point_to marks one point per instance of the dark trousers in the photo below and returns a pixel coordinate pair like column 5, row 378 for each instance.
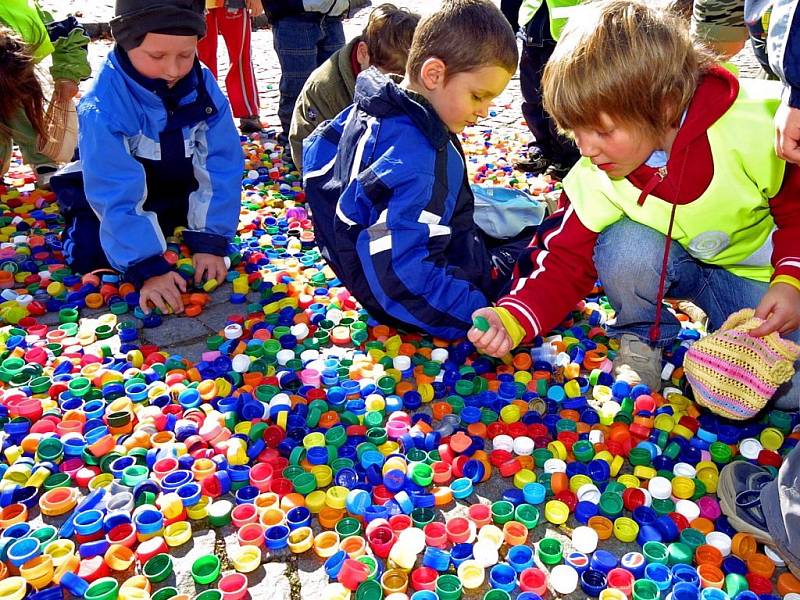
column 80, row 240
column 302, row 43
column 538, row 45
column 510, row 10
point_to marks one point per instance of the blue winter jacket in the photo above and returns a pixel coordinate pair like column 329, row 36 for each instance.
column 783, row 47
column 393, row 211
column 147, row 150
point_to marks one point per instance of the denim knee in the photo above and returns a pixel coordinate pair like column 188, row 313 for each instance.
column 628, row 259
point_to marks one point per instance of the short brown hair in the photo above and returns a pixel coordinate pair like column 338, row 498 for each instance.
column 634, row 62
column 465, row 35
column 388, row 36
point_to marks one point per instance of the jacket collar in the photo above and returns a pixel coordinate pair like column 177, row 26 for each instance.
column 380, row 95
column 186, row 103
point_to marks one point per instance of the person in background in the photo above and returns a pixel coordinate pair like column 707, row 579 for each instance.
column 67, row 42
column 305, row 33
column 550, row 152
column 231, row 20
column 383, row 44
column 510, row 10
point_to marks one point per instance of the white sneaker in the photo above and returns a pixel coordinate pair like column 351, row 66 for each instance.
column 638, row 362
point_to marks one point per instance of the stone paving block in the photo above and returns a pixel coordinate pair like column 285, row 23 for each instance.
column 175, row 331
column 313, row 578
column 214, row 316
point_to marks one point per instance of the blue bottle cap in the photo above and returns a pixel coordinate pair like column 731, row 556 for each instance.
column 520, row 557
column 734, row 564
column 603, row 560
column 659, row 574
column 667, row 528
column 584, row 511
column 686, row 574
column 593, row 582
column 648, row 533
column 685, row 591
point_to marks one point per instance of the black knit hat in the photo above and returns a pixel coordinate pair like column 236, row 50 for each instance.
column 134, row 19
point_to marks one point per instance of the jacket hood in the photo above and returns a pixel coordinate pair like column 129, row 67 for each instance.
column 380, row 95
column 689, row 169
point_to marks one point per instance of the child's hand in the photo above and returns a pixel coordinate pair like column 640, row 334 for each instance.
column 780, row 309
column 495, row 341
column 208, row 266
column 164, row 291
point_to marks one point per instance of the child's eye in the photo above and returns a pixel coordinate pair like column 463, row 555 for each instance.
column 476, row 98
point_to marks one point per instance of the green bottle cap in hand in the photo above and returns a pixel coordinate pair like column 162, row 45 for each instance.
column 480, row 323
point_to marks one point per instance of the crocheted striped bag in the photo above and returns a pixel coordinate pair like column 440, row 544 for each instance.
column 734, row 374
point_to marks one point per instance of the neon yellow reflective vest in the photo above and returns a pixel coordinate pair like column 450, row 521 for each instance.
column 730, row 224
column 558, row 9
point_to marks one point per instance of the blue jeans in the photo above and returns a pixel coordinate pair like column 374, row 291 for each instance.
column 302, row 43
column 628, row 260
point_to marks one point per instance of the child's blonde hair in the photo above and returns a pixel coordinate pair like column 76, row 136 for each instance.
column 465, row 35
column 634, row 62
column 388, row 36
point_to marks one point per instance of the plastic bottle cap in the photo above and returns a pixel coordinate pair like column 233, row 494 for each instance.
column 564, row 579
column 584, row 539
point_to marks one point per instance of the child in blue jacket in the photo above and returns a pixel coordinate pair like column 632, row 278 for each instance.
column 387, row 183
column 159, row 150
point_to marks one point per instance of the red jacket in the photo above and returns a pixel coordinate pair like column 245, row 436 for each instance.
column 557, row 270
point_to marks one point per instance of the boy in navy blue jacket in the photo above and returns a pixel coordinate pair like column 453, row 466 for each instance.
column 159, row 150
column 387, row 182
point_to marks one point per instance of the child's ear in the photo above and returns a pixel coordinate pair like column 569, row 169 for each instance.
column 433, row 72
column 362, row 55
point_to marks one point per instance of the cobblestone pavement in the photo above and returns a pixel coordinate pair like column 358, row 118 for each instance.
column 287, row 577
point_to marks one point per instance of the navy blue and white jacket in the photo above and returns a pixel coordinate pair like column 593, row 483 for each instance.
column 783, row 47
column 393, row 212
column 152, row 154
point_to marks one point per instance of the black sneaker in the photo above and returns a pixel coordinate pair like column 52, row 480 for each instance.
column 557, row 171
column 250, row 124
column 534, row 161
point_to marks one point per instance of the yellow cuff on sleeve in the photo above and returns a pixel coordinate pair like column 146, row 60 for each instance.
column 792, row 281
column 513, row 328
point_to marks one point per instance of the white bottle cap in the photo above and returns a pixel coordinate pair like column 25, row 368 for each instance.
column 485, row 553
column 750, row 448
column 555, row 465
column 589, row 492
column 503, row 442
column 413, row 538
column 683, row 469
column 660, row 488
column 584, row 539
column 439, row 355
column 775, row 557
column 402, row 362
column 240, row 363
column 564, row 579
column 688, row 509
column 523, row 446
column 720, row 541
